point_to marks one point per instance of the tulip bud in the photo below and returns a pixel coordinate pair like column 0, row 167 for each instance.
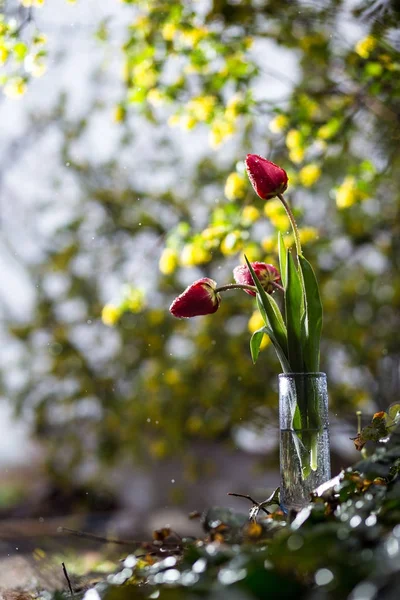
column 265, row 273
column 267, row 179
column 200, row 298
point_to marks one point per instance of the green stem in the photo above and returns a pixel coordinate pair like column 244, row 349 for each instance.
column 236, row 286
column 293, row 224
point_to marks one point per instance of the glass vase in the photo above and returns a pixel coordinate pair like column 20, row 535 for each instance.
column 304, row 443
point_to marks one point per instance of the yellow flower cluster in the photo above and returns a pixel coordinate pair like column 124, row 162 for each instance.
column 251, row 251
column 169, row 261
column 194, row 254
column 307, row 234
column 279, row 123
column 232, row 243
column 365, row 46
column 155, row 97
column 4, row 52
column 133, row 300
column 110, row 314
column 235, row 187
column 274, row 210
column 144, row 74
column 221, row 129
column 347, row 193
column 201, row 108
column 254, row 324
column 234, row 107
column 168, row 31
column 15, row 87
column 309, row 175
column 119, row 113
column 295, row 144
column 250, row 214
column 29, row 3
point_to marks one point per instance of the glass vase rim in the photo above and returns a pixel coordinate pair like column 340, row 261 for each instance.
column 303, row 374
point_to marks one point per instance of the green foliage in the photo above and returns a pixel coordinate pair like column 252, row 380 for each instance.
column 335, row 118
column 353, row 522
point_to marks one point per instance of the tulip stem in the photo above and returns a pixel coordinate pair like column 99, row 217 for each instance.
column 277, row 286
column 293, row 224
column 244, row 286
column 236, row 286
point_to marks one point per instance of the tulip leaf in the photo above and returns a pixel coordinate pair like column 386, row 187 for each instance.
column 282, row 258
column 294, row 304
column 313, row 316
column 255, row 343
column 274, row 321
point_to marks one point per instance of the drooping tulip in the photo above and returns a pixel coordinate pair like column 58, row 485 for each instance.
column 265, row 273
column 198, row 299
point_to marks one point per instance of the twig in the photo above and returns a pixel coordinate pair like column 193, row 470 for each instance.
column 68, row 579
column 98, row 538
column 258, row 504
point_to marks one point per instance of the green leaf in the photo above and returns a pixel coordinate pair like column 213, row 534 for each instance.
column 280, row 353
column 269, row 313
column 282, row 258
column 255, row 343
column 294, row 304
column 313, row 316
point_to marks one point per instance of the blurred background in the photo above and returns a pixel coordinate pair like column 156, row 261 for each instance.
column 124, row 130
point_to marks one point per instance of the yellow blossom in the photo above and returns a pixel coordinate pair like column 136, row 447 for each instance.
column 255, row 323
column 187, row 122
column 269, row 244
column 15, row 87
column 365, row 46
column 307, row 234
column 110, row 314
column 119, row 113
column 347, row 193
column 279, row 123
column 155, row 97
column 3, row 54
column 193, row 36
column 234, row 107
column 294, row 139
column 296, row 155
column 211, row 233
column 168, row 261
column 168, row 31
column 174, row 120
column 201, row 108
column 172, row 376
column 309, row 174
column 192, row 255
column 250, row 214
column 220, row 130
column 235, row 187
column 231, row 243
column 134, row 300
column 252, row 252
column 40, row 39
column 144, row 74
column 29, row 3
column 273, row 207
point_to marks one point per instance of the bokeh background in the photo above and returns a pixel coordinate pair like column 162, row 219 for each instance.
column 124, row 130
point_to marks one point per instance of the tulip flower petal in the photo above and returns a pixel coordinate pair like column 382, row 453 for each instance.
column 265, row 273
column 267, row 179
column 198, row 299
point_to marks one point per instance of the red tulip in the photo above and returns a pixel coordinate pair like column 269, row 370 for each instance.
column 265, row 273
column 267, row 179
column 200, row 298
